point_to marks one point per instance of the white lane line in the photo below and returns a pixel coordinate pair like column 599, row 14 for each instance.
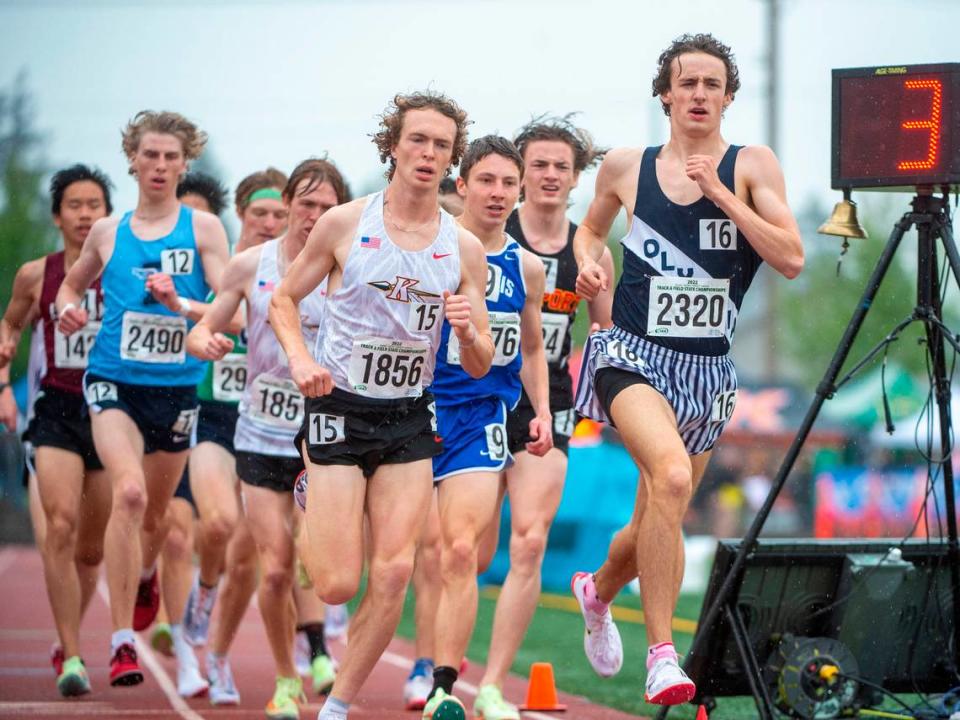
column 146, row 655
column 470, row 689
column 7, row 556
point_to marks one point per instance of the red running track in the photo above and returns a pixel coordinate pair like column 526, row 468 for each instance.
column 27, row 687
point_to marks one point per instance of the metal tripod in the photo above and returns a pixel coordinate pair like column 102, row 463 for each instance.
column 931, row 216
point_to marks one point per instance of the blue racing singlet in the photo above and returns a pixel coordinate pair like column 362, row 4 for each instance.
column 506, row 296
column 686, row 268
column 140, row 341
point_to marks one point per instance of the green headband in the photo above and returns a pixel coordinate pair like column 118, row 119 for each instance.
column 264, row 194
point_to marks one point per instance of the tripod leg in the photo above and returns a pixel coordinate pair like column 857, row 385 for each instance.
column 824, row 390
column 937, row 349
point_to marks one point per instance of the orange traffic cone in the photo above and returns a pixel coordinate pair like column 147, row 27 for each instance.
column 702, row 713
column 542, row 690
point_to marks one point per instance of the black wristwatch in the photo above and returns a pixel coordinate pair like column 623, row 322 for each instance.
column 4, row 386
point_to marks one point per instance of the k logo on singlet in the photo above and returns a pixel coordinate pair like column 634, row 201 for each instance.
column 402, row 290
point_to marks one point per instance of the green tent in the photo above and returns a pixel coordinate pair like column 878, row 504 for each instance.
column 860, row 401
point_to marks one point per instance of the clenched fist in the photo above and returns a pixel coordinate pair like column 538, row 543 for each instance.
column 456, row 309
column 71, row 318
column 312, row 379
column 591, row 280
column 161, row 286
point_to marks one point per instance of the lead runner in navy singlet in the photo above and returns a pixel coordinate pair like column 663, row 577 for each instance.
column 397, row 266
column 704, row 215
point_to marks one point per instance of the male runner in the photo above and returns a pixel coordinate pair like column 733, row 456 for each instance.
column 703, row 216
column 271, row 410
column 397, row 265
column 204, row 193
column 73, row 489
column 225, row 545
column 554, row 152
column 450, row 199
column 140, row 385
column 472, row 413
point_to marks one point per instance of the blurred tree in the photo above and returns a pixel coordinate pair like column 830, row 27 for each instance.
column 818, row 305
column 25, row 228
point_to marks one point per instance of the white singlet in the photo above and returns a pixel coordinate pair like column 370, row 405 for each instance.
column 271, row 410
column 382, row 327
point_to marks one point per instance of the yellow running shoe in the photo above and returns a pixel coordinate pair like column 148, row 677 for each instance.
column 285, row 703
column 73, row 681
column 323, row 673
column 490, row 705
column 444, row 707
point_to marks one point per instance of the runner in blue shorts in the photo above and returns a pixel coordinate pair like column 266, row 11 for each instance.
column 159, row 262
column 704, row 215
column 472, row 413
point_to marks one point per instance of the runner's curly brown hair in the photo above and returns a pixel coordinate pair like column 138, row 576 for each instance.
column 391, row 124
column 702, row 43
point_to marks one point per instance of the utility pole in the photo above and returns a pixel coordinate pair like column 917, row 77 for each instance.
column 771, row 360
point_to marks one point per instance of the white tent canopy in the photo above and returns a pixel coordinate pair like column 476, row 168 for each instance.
column 912, row 431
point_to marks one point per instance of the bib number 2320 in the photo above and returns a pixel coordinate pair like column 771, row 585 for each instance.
column 687, row 307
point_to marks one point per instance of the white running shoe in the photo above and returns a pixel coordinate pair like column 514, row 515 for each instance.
column 190, row 682
column 668, row 684
column 415, row 691
column 222, row 689
column 335, row 622
column 601, row 639
column 196, row 615
column 301, row 653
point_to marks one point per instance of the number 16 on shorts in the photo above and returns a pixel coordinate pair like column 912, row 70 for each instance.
column 325, row 429
column 723, row 405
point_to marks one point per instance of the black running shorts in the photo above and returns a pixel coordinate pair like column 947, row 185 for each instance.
column 268, row 471
column 165, row 416
column 346, row 429
column 60, row 420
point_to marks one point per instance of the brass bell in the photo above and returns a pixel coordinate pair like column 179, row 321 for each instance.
column 843, row 221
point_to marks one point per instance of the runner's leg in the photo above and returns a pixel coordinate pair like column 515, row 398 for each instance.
column 397, row 499
column 213, row 482
column 94, row 514
column 535, row 485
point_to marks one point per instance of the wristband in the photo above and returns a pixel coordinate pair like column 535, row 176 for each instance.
column 66, row 307
column 4, row 386
column 185, row 306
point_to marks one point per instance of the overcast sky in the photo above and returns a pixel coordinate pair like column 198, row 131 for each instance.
column 273, row 82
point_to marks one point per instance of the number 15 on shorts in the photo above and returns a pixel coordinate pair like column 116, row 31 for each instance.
column 325, row 429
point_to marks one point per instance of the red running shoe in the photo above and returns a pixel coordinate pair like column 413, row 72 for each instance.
column 57, row 658
column 148, row 603
column 124, row 669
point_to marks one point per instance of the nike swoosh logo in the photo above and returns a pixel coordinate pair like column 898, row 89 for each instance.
column 440, row 256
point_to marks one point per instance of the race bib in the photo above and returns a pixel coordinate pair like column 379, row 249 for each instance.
column 496, row 441
column 382, row 368
column 277, row 402
column 564, row 422
column 619, row 350
column 153, row 338
column 424, row 317
column 687, row 307
column 71, row 353
column 325, row 429
column 230, row 377
column 99, row 392
column 719, row 234
column 550, row 268
column 185, row 421
column 176, row 262
column 554, row 328
column 723, row 406
column 505, row 330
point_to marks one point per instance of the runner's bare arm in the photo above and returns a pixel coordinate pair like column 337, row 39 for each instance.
column 466, row 311
column 331, row 235
column 207, row 340
column 213, row 248
column 600, row 309
column 533, row 371
column 769, row 225
column 22, row 309
column 84, row 271
column 8, row 403
column 590, row 240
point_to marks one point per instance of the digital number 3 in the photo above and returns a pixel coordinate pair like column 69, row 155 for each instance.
column 931, row 124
